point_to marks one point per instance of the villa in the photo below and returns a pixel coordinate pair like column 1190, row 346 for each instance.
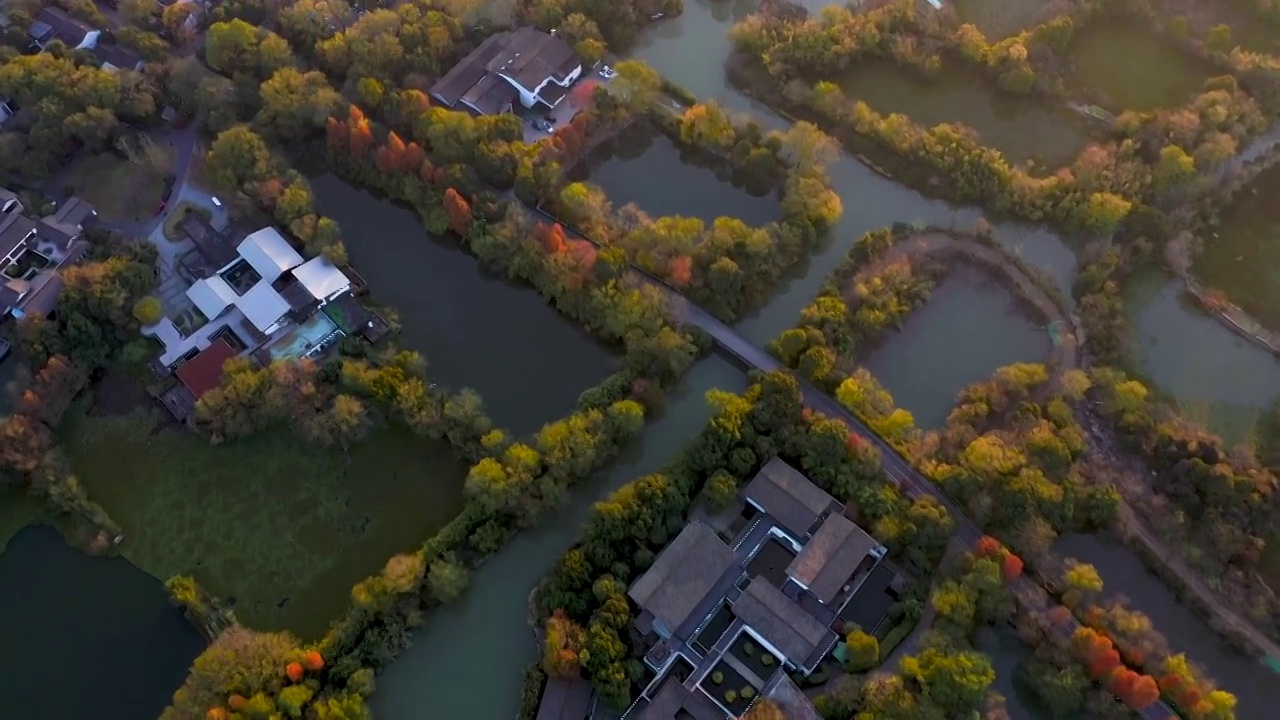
column 734, row 612
column 256, row 297
column 526, row 63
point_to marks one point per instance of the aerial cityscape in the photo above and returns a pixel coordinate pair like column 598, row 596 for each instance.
column 640, row 359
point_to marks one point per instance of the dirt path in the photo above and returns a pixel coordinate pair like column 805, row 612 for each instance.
column 1066, row 354
column 1131, row 474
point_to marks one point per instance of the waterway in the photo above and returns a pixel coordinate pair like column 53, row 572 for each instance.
column 477, row 330
column 1218, row 378
column 1123, row 574
column 86, row 637
column 1019, row 126
column 967, row 311
column 1007, row 652
column 468, row 660
column 1242, row 256
column 626, row 166
column 1136, row 68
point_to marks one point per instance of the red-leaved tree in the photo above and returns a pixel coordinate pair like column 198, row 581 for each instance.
column 458, row 210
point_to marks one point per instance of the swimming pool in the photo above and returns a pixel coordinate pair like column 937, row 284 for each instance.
column 303, row 338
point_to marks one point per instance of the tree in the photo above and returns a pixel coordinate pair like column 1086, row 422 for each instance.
column 295, row 104
column 956, row 680
column 864, row 651
column 458, row 210
column 447, row 579
column 1082, row 580
column 637, row 85
column 564, row 641
column 239, row 660
column 237, row 158
column 1011, row 567
column 806, row 147
column 721, row 491
column 148, row 310
column 232, row 47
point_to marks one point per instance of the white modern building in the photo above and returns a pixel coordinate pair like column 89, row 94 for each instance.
column 527, row 64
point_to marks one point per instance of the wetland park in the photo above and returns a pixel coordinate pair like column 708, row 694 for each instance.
column 995, row 276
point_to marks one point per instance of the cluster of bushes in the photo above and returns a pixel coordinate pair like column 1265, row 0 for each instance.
column 583, row 601
column 864, row 296
column 728, row 266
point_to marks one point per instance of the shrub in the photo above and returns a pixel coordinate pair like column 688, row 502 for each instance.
column 767, row 660
column 717, row 677
column 148, row 310
column 748, row 648
column 748, row 692
column 730, row 696
column 293, row 671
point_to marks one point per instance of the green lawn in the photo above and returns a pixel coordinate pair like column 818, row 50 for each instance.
column 117, row 188
column 282, row 527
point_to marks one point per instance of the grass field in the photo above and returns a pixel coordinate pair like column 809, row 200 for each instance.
column 281, row 527
column 118, row 189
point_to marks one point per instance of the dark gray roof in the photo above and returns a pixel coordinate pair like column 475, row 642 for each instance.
column 789, row 698
column 565, row 699
column 552, row 93
column 531, row 56
column 10, row 291
column 491, row 95
column 14, row 229
column 74, row 211
column 682, row 574
column 43, row 297
column 6, row 194
column 52, row 22
column 213, row 246
column 671, row 698
column 117, row 56
column 787, row 495
column 782, row 622
column 830, row 557
column 469, row 70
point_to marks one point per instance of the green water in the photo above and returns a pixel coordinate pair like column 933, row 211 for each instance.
column 1018, row 126
column 282, row 528
column 998, row 19
column 1242, row 257
column 1137, row 69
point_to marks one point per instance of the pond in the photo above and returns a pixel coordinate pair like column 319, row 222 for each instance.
column 87, row 637
column 1123, row 573
column 1007, row 651
column 491, row 619
column 1137, row 69
column 969, row 327
column 1218, row 378
column 1241, row 258
column 998, row 19
column 476, row 330
column 625, row 168
column 1019, row 126
column 280, row 527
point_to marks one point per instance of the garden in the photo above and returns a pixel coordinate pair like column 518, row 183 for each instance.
column 754, row 657
column 729, row 688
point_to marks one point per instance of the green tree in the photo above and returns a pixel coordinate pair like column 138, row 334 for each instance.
column 957, row 680
column 447, row 579
column 237, row 159
column 296, row 104
column 864, row 652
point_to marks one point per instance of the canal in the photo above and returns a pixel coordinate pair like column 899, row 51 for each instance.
column 467, row 660
column 87, row 637
column 475, row 329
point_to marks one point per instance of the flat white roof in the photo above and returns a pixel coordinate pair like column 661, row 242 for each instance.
column 262, row 305
column 212, row 296
column 321, row 278
column 269, row 253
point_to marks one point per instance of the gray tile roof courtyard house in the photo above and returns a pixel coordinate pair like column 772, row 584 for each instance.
column 712, row 609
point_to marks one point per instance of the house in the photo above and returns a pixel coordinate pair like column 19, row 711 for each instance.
column 526, row 64
column 565, row 699
column 246, row 282
column 53, row 23
column 115, row 58
column 31, row 251
column 779, row 586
